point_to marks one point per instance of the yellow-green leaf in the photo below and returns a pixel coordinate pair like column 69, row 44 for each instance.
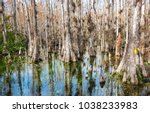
column 135, row 51
column 138, row 49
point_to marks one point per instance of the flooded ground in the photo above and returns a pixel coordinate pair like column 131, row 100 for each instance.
column 90, row 77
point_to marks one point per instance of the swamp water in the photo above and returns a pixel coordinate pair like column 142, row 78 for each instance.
column 54, row 78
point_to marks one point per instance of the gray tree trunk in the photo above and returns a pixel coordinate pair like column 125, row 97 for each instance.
column 68, row 54
column 63, row 25
column 35, row 56
column 118, row 33
column 142, row 24
column 30, row 44
column 129, row 61
column 47, row 24
column 3, row 21
column 15, row 16
column 112, row 13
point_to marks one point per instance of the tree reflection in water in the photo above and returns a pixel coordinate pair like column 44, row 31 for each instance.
column 53, row 77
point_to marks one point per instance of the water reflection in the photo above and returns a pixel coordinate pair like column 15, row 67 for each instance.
column 92, row 76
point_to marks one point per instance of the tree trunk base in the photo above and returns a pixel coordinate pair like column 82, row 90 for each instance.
column 92, row 52
column 68, row 56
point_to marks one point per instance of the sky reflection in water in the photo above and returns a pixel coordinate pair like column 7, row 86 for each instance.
column 58, row 79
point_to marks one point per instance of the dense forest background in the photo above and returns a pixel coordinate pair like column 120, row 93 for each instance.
column 118, row 28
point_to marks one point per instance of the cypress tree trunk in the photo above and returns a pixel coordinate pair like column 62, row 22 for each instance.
column 68, row 54
column 3, row 21
column 132, row 57
column 118, row 30
column 36, row 52
column 30, row 44
column 47, row 24
column 143, row 26
column 15, row 16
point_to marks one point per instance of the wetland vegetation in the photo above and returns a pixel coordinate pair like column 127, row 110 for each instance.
column 75, row 47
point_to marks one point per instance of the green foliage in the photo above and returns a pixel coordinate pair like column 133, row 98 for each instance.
column 118, row 76
column 14, row 43
column 2, row 66
column 146, row 64
column 139, row 74
column 11, row 63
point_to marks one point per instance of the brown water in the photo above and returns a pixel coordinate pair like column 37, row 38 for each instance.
column 53, row 77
